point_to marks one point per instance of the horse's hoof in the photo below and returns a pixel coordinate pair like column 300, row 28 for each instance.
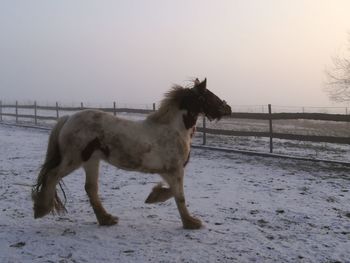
column 159, row 194
column 41, row 211
column 108, row 220
column 192, row 223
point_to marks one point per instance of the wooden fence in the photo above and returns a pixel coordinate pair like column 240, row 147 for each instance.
column 281, row 116
column 57, row 109
column 269, row 117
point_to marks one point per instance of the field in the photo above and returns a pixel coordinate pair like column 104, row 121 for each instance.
column 254, row 209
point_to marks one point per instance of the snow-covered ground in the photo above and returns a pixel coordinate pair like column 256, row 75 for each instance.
column 254, row 209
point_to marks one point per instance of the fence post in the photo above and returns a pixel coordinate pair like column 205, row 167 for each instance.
column 35, row 113
column 16, row 111
column 204, row 131
column 270, row 125
column 114, row 108
column 154, row 107
column 0, row 110
column 81, row 105
column 57, row 113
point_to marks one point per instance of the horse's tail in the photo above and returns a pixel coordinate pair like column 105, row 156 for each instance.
column 52, row 161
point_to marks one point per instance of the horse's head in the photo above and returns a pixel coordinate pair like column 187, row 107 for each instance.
column 196, row 100
column 209, row 104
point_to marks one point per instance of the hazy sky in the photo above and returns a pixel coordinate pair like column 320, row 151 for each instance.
column 251, row 51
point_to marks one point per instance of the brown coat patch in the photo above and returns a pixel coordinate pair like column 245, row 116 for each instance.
column 91, row 147
column 188, row 159
column 190, row 120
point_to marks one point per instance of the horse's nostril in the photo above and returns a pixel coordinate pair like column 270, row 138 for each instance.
column 228, row 109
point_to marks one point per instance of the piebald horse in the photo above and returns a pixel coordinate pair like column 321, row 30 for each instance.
column 160, row 144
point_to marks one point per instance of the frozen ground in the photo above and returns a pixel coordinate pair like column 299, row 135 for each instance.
column 255, row 210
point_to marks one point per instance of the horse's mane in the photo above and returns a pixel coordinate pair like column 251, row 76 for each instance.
column 169, row 105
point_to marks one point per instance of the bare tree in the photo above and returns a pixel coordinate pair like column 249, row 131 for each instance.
column 338, row 78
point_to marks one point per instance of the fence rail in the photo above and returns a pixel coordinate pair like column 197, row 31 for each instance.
column 275, row 135
column 54, row 108
column 270, row 117
column 291, row 116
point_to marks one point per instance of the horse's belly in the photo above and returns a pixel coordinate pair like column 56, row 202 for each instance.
column 148, row 163
column 161, row 163
column 153, row 162
column 148, row 154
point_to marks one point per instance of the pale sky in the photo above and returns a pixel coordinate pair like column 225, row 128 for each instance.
column 251, row 51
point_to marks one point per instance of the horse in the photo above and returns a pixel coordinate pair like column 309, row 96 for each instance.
column 160, row 144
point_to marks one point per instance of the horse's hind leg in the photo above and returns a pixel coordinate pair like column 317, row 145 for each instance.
column 46, row 198
column 91, row 187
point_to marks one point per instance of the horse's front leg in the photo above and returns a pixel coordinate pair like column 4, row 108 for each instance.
column 176, row 184
column 159, row 194
column 91, row 186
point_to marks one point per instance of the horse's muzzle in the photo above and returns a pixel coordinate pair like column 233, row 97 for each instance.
column 226, row 110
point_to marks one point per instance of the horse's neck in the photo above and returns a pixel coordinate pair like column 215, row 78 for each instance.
column 177, row 122
column 173, row 118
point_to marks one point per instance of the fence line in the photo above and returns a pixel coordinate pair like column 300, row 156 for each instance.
column 270, row 129
column 291, row 116
column 270, row 117
column 35, row 107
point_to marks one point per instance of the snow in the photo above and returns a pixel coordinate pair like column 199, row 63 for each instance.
column 255, row 209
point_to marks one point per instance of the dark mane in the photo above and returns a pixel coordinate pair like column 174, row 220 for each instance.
column 175, row 96
column 170, row 104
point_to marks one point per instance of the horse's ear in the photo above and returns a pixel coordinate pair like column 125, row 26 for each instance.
column 200, row 86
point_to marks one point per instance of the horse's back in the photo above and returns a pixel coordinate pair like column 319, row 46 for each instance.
column 83, row 127
column 133, row 145
column 88, row 126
